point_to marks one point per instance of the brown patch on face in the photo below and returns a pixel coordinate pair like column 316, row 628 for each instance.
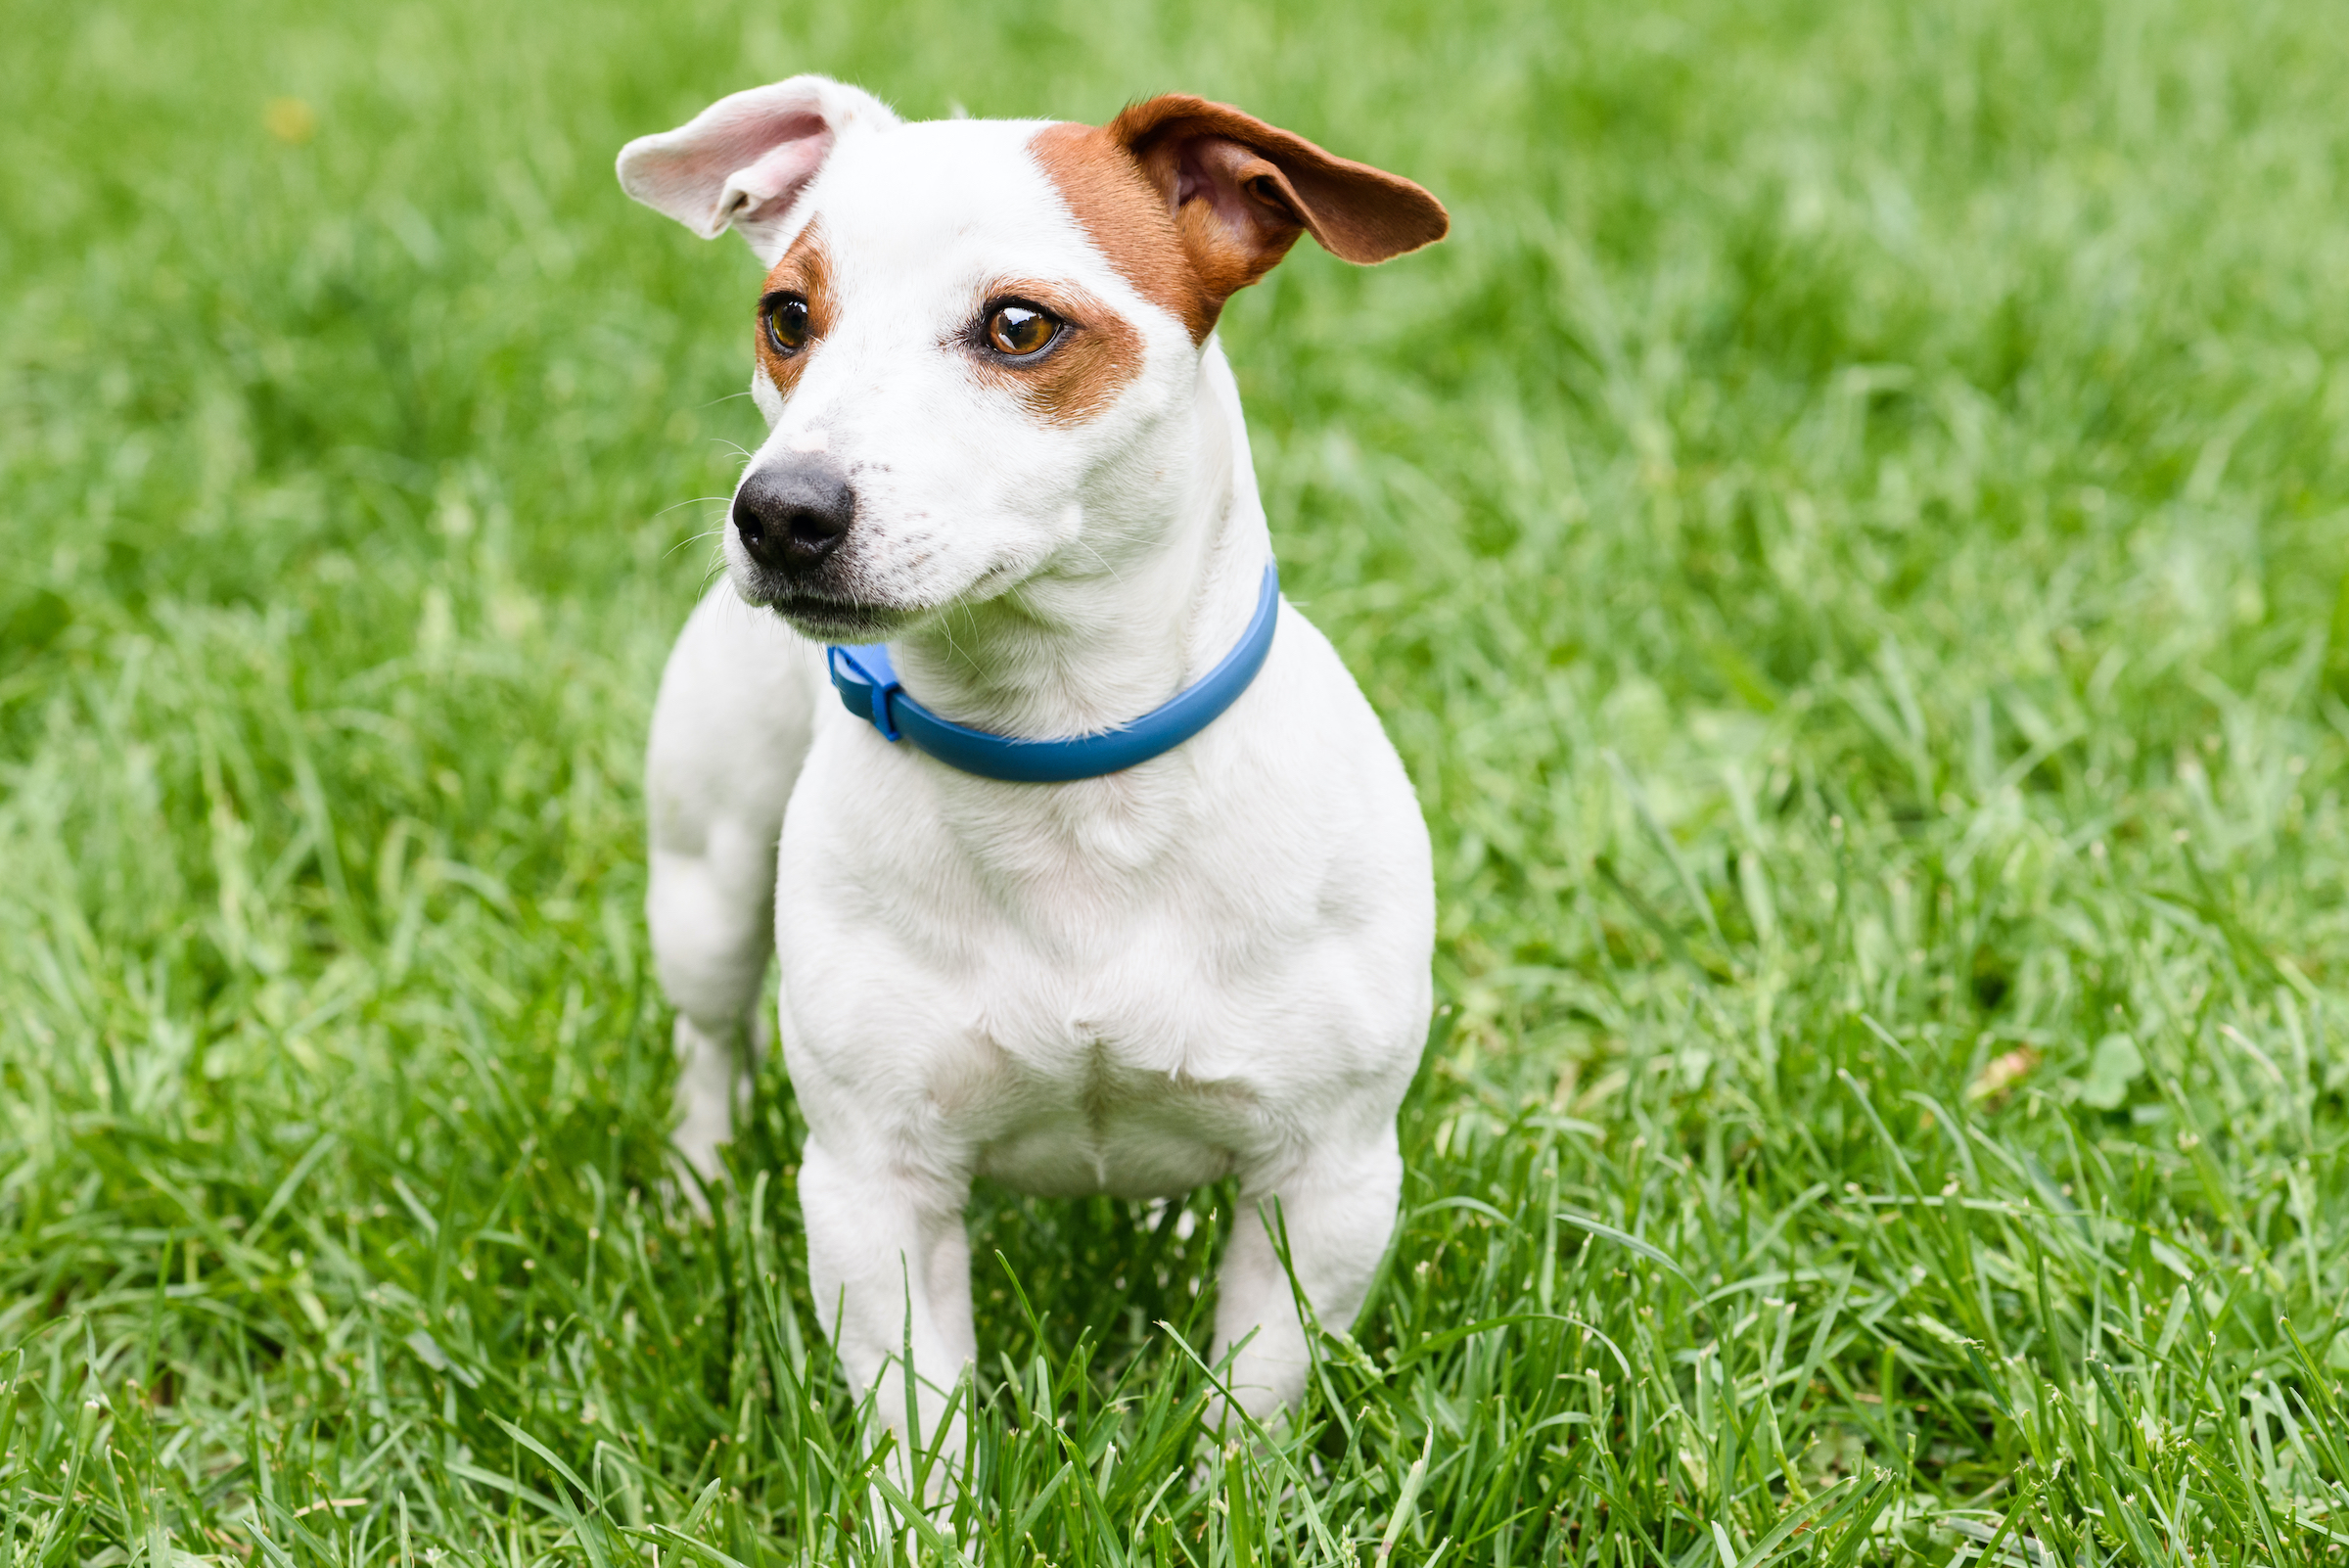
column 1098, row 353
column 805, row 269
column 1125, row 216
column 1193, row 201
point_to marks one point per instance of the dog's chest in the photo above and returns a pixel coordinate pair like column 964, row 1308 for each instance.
column 1110, row 1060
column 1080, row 1013
column 1092, row 1122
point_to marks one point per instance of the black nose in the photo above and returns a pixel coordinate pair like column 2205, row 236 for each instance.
column 790, row 514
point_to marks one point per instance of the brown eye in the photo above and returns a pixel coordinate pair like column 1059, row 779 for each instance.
column 1021, row 331
column 787, row 324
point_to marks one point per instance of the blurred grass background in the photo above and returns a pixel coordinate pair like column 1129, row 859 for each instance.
column 1847, row 535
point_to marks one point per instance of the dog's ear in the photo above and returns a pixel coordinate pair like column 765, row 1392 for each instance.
column 1241, row 191
column 742, row 163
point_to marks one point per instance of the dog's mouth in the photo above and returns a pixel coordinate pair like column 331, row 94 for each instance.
column 834, row 621
column 839, row 604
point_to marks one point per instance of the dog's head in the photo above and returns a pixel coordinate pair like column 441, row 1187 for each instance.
column 973, row 331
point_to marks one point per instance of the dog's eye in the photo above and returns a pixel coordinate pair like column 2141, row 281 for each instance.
column 787, row 324
column 1021, row 331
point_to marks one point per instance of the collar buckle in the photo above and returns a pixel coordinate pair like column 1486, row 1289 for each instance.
column 867, row 683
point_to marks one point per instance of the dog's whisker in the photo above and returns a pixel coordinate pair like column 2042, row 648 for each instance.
column 946, row 630
column 695, row 538
column 716, row 570
column 1099, row 560
column 691, row 500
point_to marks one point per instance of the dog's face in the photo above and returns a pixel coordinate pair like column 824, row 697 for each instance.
column 976, row 337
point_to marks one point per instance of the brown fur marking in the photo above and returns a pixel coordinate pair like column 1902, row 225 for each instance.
column 1192, row 201
column 805, row 269
column 1128, row 219
column 1357, row 214
column 1077, row 377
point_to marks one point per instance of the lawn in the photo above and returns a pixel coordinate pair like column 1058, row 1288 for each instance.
column 1848, row 537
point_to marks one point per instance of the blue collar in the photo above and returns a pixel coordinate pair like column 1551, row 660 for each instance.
column 869, row 688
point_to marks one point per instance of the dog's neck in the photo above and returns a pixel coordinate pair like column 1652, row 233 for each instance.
column 1158, row 590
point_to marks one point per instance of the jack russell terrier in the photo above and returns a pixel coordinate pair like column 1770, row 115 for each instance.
column 1098, row 874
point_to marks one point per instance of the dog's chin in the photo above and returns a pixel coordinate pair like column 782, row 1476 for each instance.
column 821, row 611
column 833, row 621
column 830, row 609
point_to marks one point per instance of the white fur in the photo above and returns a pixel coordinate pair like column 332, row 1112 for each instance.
column 1214, row 964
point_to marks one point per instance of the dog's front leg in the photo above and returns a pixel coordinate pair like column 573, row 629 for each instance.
column 890, row 1266
column 729, row 729
column 1336, row 1208
column 713, row 931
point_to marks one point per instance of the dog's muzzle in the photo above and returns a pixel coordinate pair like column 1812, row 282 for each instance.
column 792, row 514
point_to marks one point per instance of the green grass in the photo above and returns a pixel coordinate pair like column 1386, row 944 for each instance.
column 1847, row 535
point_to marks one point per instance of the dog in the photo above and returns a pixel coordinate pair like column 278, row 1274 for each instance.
column 1006, row 494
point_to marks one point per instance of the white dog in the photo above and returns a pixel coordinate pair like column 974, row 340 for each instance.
column 1004, row 442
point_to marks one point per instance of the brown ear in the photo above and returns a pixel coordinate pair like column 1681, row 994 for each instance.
column 1241, row 191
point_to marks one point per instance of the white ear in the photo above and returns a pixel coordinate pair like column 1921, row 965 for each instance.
column 742, row 163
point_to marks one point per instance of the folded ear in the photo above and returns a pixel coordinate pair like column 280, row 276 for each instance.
column 1241, row 191
column 742, row 163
